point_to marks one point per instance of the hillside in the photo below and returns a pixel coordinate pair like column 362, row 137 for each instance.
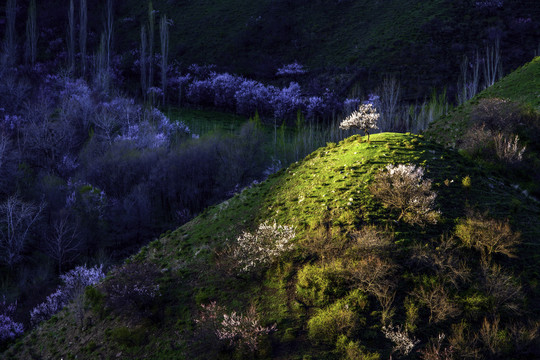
column 343, row 42
column 510, row 107
column 355, row 265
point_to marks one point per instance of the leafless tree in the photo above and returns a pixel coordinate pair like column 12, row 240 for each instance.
column 389, row 92
column 438, row 301
column 64, row 243
column 16, row 219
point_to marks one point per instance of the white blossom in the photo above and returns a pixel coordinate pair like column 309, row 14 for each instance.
column 365, row 118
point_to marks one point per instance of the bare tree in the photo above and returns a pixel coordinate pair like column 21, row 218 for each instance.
column 10, row 44
column 144, row 85
column 31, row 34
column 492, row 64
column 164, row 36
column 63, row 244
column 83, row 21
column 151, row 32
column 389, row 92
column 71, row 36
column 16, row 219
column 109, row 30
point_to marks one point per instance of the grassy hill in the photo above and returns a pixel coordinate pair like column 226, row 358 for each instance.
column 508, row 108
column 354, row 266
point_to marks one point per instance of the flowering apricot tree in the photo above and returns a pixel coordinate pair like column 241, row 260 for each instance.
column 365, row 118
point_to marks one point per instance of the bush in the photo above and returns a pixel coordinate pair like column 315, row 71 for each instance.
column 132, row 288
column 75, row 281
column 352, row 350
column 488, row 236
column 318, row 285
column 254, row 251
column 402, row 187
column 497, row 114
column 9, row 329
column 328, row 324
column 238, row 330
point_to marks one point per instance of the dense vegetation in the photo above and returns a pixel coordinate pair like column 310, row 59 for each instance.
column 388, row 245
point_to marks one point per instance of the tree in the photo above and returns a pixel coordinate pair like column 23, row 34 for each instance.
column 365, row 118
column 63, row 244
column 16, row 219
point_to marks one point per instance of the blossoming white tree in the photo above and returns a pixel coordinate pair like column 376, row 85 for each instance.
column 253, row 251
column 365, row 118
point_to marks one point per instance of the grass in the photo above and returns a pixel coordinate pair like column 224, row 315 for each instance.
column 326, row 190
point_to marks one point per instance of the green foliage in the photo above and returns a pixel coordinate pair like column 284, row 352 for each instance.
column 95, row 299
column 129, row 337
column 318, row 285
column 329, row 323
column 352, row 350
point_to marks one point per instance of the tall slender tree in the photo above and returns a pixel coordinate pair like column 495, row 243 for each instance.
column 83, row 23
column 10, row 43
column 71, row 36
column 144, row 58
column 109, row 30
column 151, row 34
column 164, row 37
column 31, row 34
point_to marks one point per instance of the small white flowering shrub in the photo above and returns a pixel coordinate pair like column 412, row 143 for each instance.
column 254, row 251
column 75, row 281
column 9, row 329
column 403, row 188
column 365, row 118
column 403, row 342
column 238, row 330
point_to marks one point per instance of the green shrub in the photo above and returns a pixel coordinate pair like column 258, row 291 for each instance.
column 95, row 300
column 327, row 324
column 319, row 285
column 352, row 350
column 125, row 336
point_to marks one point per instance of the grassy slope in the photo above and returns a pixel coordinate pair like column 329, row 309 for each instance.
column 522, row 86
column 327, row 189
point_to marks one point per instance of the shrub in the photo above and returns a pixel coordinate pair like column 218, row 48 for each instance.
column 403, row 342
column 318, row 285
column 329, row 323
column 437, row 300
column 436, row 351
column 371, row 239
column 291, row 69
column 497, row 114
column 478, row 141
column 352, row 350
column 9, row 329
column 402, row 187
column 365, row 118
column 488, row 236
column 132, row 288
column 75, row 281
column 238, row 330
column 509, row 150
column 255, row 251
column 496, row 341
